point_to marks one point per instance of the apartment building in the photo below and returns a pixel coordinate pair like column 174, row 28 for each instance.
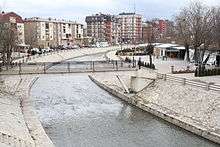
column 130, row 27
column 49, row 32
column 16, row 22
column 162, row 28
column 103, row 28
column 147, row 32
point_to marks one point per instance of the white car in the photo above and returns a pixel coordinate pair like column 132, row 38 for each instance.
column 48, row 49
column 35, row 50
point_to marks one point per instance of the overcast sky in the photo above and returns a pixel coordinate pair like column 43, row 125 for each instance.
column 78, row 9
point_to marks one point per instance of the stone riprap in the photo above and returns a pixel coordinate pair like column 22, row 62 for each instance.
column 189, row 107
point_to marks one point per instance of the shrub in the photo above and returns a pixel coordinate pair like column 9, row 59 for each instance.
column 207, row 72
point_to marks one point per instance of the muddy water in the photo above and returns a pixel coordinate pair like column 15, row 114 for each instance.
column 77, row 113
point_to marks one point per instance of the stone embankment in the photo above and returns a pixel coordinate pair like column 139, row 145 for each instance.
column 194, row 109
column 20, row 126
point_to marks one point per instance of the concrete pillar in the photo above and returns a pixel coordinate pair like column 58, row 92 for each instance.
column 93, row 66
column 165, row 77
column 172, row 69
column 207, row 86
column 19, row 68
column 68, row 67
column 184, row 81
column 113, row 63
column 44, row 68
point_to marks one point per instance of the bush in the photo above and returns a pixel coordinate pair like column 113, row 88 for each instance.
column 207, row 72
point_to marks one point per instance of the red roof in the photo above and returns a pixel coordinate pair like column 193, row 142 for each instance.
column 6, row 17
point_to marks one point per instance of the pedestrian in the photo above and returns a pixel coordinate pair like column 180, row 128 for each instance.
column 139, row 63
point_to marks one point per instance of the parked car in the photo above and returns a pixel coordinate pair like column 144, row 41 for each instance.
column 35, row 51
column 48, row 49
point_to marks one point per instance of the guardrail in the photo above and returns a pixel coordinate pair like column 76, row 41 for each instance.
column 206, row 85
column 68, row 67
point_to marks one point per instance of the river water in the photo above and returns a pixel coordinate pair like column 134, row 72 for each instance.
column 77, row 113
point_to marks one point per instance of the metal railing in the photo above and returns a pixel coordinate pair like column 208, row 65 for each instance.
column 206, row 85
column 67, row 67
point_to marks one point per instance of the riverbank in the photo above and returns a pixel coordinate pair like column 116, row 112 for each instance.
column 190, row 108
column 20, row 120
column 63, row 55
column 19, row 124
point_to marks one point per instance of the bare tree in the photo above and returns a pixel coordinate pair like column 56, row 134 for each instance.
column 217, row 28
column 195, row 25
column 183, row 35
column 150, row 46
column 30, row 30
column 8, row 37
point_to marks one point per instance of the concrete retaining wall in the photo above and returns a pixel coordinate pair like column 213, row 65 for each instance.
column 34, row 125
column 162, row 113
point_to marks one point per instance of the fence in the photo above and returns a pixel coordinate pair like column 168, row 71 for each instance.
column 67, row 67
column 184, row 81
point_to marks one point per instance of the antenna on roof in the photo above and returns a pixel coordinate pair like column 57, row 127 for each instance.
column 134, row 6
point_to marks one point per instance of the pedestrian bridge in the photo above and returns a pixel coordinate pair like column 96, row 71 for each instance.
column 67, row 67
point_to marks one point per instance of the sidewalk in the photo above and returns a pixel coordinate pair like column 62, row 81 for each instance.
column 164, row 67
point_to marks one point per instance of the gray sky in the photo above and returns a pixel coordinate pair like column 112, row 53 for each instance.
column 78, row 9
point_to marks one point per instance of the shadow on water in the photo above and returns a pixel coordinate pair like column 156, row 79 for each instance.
column 77, row 113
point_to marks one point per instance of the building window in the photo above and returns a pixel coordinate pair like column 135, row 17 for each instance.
column 47, row 26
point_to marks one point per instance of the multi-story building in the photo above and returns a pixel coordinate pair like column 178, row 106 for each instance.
column 49, row 32
column 162, row 28
column 147, row 32
column 103, row 28
column 16, row 22
column 130, row 27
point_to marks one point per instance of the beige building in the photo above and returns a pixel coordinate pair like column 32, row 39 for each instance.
column 49, row 32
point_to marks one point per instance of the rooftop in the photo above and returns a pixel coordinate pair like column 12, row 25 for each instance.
column 50, row 20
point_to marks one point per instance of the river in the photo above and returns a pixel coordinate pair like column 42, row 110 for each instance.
column 77, row 113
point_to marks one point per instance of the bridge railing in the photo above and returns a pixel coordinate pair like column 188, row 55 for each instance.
column 206, row 85
column 67, row 67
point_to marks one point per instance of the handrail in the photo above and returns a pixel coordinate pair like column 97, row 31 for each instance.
column 208, row 86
